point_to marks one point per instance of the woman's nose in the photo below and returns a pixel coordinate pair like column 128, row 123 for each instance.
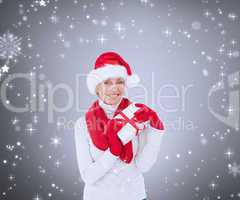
column 115, row 87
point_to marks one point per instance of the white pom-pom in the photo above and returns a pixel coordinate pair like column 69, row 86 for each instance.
column 133, row 80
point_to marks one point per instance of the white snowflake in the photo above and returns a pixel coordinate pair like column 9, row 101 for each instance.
column 30, row 129
column 10, row 46
column 5, row 68
column 144, row 1
column 57, row 163
column 232, row 16
column 42, row 3
column 119, row 27
column 41, row 170
column 56, row 141
column 167, row 32
column 10, row 147
column 37, row 197
column 102, row 39
column 234, row 169
column 229, row 153
column 213, row 185
column 103, row 23
column 205, row 72
column 54, row 19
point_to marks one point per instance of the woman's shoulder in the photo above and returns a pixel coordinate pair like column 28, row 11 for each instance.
column 80, row 126
column 80, row 121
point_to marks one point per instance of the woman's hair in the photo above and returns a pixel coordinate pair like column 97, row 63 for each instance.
column 96, row 90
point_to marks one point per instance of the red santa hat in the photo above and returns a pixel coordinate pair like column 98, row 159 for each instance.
column 110, row 65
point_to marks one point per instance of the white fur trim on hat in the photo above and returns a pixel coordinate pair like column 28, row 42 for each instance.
column 96, row 76
column 133, row 80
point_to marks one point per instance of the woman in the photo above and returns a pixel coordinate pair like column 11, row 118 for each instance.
column 115, row 145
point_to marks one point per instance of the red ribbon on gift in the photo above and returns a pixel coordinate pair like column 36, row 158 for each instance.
column 132, row 122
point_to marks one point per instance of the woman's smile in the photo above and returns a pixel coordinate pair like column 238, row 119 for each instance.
column 114, row 95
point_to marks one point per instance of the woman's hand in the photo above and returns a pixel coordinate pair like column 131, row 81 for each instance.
column 145, row 114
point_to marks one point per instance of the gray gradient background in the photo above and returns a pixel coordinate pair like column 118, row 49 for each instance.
column 156, row 58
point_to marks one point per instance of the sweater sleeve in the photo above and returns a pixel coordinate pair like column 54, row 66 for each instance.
column 149, row 146
column 89, row 169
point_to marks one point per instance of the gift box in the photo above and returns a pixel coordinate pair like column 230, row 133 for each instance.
column 131, row 127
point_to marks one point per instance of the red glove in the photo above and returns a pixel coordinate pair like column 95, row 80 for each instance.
column 115, row 144
column 145, row 113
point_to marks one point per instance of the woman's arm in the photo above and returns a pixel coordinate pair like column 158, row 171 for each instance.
column 90, row 170
column 149, row 146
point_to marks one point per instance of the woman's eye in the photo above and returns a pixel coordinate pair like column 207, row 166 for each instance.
column 120, row 82
column 106, row 82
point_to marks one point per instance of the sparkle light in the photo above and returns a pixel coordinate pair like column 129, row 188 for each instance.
column 213, row 185
column 119, row 28
column 234, row 169
column 56, row 141
column 230, row 110
column 232, row 16
column 144, row 1
column 54, row 19
column 102, row 39
column 5, row 68
column 15, row 121
column 207, row 13
column 229, row 153
column 37, row 197
column 57, row 163
column 42, row 3
column 167, row 32
column 30, row 129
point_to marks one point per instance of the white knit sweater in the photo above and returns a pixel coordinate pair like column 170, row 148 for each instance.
column 106, row 177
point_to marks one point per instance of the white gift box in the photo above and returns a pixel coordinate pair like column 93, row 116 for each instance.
column 128, row 132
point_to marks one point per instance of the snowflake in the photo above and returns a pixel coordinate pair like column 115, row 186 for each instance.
column 102, row 39
column 144, row 1
column 10, row 46
column 118, row 27
column 57, row 163
column 55, row 141
column 103, row 23
column 205, row 72
column 30, row 128
column 167, row 32
column 41, row 3
column 54, row 19
column 229, row 153
column 232, row 16
column 37, row 197
column 234, row 169
column 213, row 185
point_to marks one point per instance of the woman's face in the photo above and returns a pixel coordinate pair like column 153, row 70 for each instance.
column 111, row 90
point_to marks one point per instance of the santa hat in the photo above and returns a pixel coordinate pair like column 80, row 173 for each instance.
column 110, row 65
